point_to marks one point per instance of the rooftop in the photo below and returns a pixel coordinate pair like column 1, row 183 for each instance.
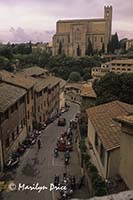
column 85, row 88
column 126, row 119
column 31, row 71
column 9, row 94
column 17, row 79
column 74, row 85
column 82, row 20
column 102, row 119
column 87, row 91
column 122, row 61
column 42, row 83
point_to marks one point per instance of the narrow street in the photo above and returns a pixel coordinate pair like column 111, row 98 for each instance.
column 40, row 166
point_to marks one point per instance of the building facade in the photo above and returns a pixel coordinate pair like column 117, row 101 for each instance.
column 104, row 137
column 126, row 149
column 73, row 37
column 129, row 44
column 81, row 93
column 26, row 83
column 12, row 119
column 116, row 66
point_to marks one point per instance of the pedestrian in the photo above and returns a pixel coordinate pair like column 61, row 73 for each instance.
column 39, row 143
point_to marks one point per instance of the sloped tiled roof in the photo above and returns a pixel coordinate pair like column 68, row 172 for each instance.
column 49, row 82
column 33, row 71
column 9, row 94
column 87, row 91
column 102, row 119
column 17, row 79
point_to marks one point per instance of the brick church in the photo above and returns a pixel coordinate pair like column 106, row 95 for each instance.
column 75, row 37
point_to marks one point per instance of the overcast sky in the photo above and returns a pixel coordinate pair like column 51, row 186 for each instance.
column 35, row 20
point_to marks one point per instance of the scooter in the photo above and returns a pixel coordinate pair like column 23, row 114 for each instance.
column 55, row 153
column 66, row 161
column 12, row 162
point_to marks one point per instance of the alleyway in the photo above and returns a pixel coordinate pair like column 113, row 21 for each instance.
column 40, row 166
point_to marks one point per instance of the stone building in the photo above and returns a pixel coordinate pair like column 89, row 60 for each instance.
column 129, row 44
column 46, row 98
column 116, row 66
column 73, row 37
column 12, row 119
column 126, row 149
column 27, row 83
column 81, row 93
column 104, row 143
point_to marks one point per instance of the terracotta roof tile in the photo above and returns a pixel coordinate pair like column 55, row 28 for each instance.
column 17, row 79
column 9, row 94
column 102, row 119
column 33, row 71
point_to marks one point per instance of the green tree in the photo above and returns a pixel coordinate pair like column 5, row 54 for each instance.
column 103, row 48
column 78, row 51
column 74, row 77
column 113, row 44
column 86, row 77
column 89, row 50
column 60, row 48
column 114, row 87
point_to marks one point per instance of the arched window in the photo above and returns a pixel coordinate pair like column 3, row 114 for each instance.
column 77, row 35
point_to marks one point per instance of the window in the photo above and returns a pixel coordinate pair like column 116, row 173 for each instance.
column 12, row 109
column 95, row 39
column 44, row 103
column 40, row 118
column 21, row 100
column 32, row 93
column 123, row 69
column 101, row 39
column 102, row 154
column 38, row 108
column 44, row 117
column 7, row 142
column 113, row 68
column 17, row 130
column 129, row 69
column 32, row 109
column 118, row 68
column 24, row 121
column 21, row 123
column 77, row 35
column 68, row 39
column 28, row 115
column 13, row 136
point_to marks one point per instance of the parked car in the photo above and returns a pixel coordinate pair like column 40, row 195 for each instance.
column 61, row 121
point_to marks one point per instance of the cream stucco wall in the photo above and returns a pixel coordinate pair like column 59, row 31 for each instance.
column 114, row 161
column 126, row 159
column 91, row 139
column 62, row 100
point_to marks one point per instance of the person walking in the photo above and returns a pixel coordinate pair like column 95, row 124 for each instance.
column 39, row 143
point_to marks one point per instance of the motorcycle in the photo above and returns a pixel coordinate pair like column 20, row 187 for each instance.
column 66, row 194
column 12, row 162
column 66, row 161
column 55, row 153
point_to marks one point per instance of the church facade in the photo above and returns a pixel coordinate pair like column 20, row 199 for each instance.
column 77, row 37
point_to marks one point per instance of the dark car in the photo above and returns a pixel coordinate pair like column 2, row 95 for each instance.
column 61, row 121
